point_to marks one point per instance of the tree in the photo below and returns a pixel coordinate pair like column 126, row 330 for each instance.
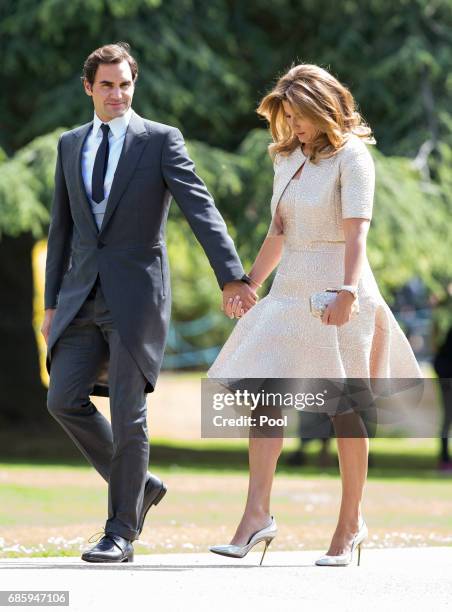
column 203, row 67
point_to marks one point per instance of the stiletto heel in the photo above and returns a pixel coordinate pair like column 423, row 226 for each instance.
column 267, row 544
column 346, row 558
column 267, row 534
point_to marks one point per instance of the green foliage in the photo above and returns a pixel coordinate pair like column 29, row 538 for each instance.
column 26, row 187
column 20, row 208
column 410, row 231
column 203, row 67
column 184, row 76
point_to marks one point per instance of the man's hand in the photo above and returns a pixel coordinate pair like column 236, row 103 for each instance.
column 238, row 298
column 48, row 318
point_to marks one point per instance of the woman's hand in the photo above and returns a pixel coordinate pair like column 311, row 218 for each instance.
column 238, row 298
column 339, row 311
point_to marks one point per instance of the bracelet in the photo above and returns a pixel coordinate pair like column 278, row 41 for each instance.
column 353, row 289
column 255, row 282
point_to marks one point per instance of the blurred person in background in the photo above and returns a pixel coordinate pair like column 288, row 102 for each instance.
column 442, row 363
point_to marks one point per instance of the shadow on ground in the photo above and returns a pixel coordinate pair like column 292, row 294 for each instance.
column 53, row 448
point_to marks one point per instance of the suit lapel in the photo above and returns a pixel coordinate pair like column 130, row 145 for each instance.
column 134, row 142
column 82, row 135
column 285, row 169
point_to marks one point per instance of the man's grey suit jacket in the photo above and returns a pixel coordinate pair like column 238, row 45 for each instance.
column 129, row 251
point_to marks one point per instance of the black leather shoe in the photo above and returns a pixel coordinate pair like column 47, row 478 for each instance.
column 112, row 548
column 154, row 491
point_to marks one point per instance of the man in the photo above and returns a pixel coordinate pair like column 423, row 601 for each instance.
column 107, row 287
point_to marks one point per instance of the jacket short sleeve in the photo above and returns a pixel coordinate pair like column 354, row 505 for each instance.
column 357, row 181
column 276, row 224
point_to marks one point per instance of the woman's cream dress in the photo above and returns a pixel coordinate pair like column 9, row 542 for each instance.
column 278, row 337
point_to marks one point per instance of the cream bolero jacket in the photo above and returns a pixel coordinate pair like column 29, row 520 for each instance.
column 334, row 189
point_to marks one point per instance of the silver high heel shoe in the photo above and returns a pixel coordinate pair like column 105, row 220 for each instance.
column 346, row 558
column 263, row 535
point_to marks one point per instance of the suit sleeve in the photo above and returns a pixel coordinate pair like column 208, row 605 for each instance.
column 59, row 237
column 197, row 205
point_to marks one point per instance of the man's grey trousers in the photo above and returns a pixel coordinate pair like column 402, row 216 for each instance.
column 120, row 451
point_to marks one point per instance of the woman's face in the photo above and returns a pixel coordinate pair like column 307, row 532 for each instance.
column 302, row 127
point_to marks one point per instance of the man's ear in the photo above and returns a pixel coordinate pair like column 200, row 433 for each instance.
column 88, row 87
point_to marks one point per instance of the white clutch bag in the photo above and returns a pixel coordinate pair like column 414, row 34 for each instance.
column 320, row 300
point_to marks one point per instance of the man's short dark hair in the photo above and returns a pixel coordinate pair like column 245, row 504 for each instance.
column 109, row 54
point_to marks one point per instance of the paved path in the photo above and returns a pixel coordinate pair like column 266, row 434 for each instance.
column 388, row 579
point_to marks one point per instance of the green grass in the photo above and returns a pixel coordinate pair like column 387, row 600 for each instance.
column 53, row 501
column 52, row 510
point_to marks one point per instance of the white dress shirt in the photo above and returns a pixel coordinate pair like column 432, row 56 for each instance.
column 116, row 135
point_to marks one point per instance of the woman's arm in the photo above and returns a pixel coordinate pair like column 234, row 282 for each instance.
column 357, row 187
column 270, row 252
column 267, row 259
column 355, row 232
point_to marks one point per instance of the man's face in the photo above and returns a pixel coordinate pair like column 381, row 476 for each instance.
column 112, row 90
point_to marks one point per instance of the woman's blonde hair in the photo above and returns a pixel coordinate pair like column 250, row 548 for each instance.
column 321, row 98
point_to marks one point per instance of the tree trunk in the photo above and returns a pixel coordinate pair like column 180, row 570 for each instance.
column 22, row 394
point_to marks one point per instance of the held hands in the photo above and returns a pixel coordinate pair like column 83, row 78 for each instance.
column 238, row 298
column 339, row 311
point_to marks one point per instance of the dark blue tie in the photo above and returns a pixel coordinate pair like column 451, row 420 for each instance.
column 100, row 166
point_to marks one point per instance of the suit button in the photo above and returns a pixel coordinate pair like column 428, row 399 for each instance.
column 100, row 244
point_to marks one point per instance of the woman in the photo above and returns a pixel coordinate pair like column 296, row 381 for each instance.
column 321, row 211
